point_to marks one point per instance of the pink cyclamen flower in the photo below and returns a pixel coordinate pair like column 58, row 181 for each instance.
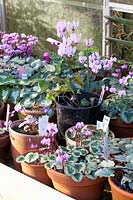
column 122, row 93
column 73, row 26
column 47, row 57
column 79, row 126
column 112, row 90
column 116, row 75
column 82, row 59
column 118, row 70
column 131, row 74
column 86, row 132
column 45, row 141
column 52, row 128
column 123, row 81
column 75, row 38
column 61, row 28
column 125, row 66
column 33, row 146
column 89, row 42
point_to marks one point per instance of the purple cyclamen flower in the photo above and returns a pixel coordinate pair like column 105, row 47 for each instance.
column 122, row 93
column 113, row 59
column 79, row 126
column 33, row 146
column 107, row 64
column 125, row 66
column 131, row 74
column 86, row 132
column 82, row 59
column 116, row 75
column 73, row 26
column 47, row 57
column 95, row 67
column 89, row 42
column 113, row 90
column 61, row 28
column 123, row 81
column 65, row 157
column 52, row 129
column 61, row 157
column 118, row 70
column 45, row 141
column 74, row 38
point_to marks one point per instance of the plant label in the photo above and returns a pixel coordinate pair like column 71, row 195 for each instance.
column 43, row 122
column 102, row 94
column 106, row 121
column 7, row 115
column 99, row 125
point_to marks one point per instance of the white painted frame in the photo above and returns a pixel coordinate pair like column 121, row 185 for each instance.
column 109, row 6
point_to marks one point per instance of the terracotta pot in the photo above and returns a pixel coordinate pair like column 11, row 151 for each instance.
column 24, row 113
column 36, row 171
column 1, row 110
column 117, row 193
column 31, row 112
column 84, row 190
column 4, row 147
column 20, row 142
column 121, row 129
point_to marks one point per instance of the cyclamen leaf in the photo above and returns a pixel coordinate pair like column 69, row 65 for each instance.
column 31, row 157
column 15, row 95
column 20, row 159
column 120, row 158
column 4, row 93
column 127, row 116
column 105, row 172
column 49, row 165
column 77, row 177
column 69, row 170
column 76, row 153
column 79, row 166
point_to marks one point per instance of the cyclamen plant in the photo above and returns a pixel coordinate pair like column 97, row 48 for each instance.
column 46, row 147
column 83, row 134
column 120, row 103
column 78, row 70
column 14, row 44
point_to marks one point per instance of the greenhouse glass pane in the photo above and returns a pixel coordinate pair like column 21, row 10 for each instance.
column 39, row 17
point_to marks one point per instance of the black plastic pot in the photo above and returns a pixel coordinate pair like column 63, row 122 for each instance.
column 68, row 116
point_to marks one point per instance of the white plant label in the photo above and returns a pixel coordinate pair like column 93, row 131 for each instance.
column 99, row 125
column 102, row 94
column 43, row 122
column 7, row 115
column 106, row 121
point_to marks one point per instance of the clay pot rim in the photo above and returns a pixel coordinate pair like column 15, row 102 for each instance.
column 32, row 112
column 91, row 126
column 82, row 183
column 118, row 189
column 11, row 130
